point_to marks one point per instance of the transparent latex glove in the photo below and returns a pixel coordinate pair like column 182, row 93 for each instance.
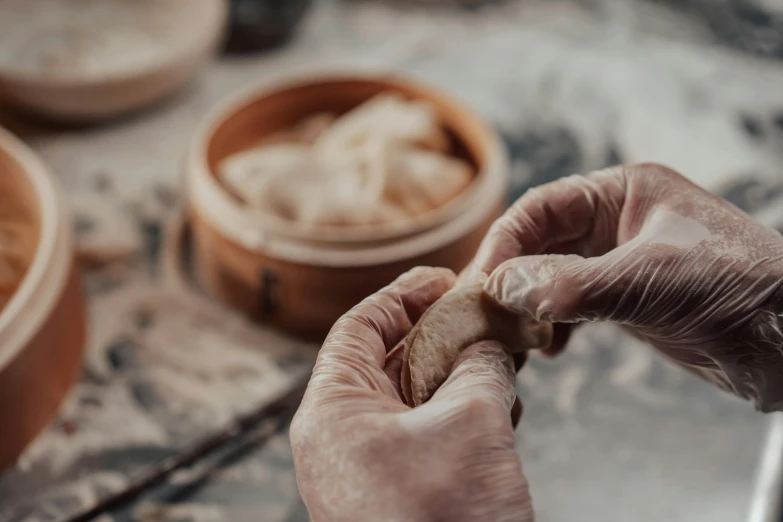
column 361, row 454
column 645, row 248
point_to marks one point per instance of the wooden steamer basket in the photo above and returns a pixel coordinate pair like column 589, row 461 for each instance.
column 98, row 98
column 304, row 283
column 42, row 327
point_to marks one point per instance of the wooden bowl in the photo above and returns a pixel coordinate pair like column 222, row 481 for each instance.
column 42, row 327
column 305, row 283
column 96, row 98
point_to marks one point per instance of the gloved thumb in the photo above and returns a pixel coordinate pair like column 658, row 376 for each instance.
column 483, row 377
column 559, row 288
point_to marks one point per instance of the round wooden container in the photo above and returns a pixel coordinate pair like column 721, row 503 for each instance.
column 92, row 99
column 304, row 284
column 42, row 327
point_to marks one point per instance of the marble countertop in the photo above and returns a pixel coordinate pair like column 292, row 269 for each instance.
column 610, row 432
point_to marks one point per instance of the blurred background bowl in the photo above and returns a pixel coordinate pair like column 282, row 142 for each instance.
column 42, row 327
column 102, row 96
column 304, row 280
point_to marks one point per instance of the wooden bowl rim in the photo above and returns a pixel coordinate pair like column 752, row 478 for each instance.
column 221, row 212
column 214, row 23
column 47, row 275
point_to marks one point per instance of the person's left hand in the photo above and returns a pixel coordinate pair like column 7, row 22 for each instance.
column 361, row 454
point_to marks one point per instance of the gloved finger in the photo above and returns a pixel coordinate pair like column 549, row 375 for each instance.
column 581, row 210
column 619, row 286
column 393, row 371
column 561, row 332
column 354, row 352
column 547, row 287
column 520, row 359
column 469, row 274
column 482, row 376
column 393, row 368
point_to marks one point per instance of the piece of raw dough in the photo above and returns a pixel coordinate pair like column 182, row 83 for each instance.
column 387, row 116
column 382, row 163
column 420, row 180
column 248, row 174
column 462, row 317
column 321, row 199
column 304, row 132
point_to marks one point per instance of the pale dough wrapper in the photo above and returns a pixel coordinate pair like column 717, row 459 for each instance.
column 305, row 132
column 421, row 180
column 462, row 317
column 389, row 116
column 345, row 193
column 248, row 174
column 333, row 200
column 382, row 163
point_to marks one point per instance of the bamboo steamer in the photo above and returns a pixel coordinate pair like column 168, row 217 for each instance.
column 42, row 327
column 303, row 283
column 117, row 93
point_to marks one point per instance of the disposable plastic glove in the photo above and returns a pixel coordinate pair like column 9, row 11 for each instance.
column 361, row 454
column 644, row 247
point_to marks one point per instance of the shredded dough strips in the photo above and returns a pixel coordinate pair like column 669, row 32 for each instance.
column 385, row 162
column 17, row 245
column 460, row 318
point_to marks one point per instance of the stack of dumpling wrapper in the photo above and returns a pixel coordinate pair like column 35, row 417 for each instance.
column 385, row 162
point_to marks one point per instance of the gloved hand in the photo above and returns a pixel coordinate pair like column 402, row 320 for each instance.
column 644, row 247
column 361, row 454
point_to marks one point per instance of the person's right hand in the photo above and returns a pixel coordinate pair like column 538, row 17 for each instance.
column 362, row 454
column 644, row 247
